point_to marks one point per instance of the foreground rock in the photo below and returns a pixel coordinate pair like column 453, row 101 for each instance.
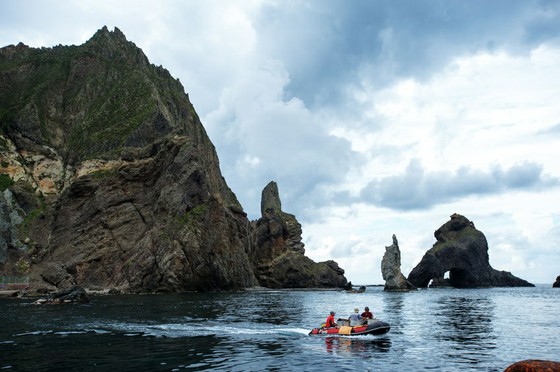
column 462, row 251
column 110, row 181
column 279, row 252
column 391, row 269
column 534, row 365
column 74, row 295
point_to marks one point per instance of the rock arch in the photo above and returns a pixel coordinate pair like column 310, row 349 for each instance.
column 462, row 251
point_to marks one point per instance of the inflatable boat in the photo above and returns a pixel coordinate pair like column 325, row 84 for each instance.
column 373, row 327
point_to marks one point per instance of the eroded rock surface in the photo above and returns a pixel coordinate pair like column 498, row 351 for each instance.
column 462, row 251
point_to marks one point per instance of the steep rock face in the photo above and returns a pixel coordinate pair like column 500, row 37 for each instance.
column 279, row 252
column 391, row 269
column 462, row 251
column 156, row 224
column 556, row 284
column 108, row 176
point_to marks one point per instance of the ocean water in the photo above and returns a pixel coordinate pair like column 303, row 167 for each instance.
column 433, row 329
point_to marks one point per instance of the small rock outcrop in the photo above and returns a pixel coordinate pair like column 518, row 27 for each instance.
column 462, row 251
column 350, row 288
column 74, row 295
column 556, row 284
column 534, row 365
column 279, row 252
column 391, row 269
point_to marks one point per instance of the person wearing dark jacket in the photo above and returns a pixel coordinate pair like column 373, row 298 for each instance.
column 367, row 314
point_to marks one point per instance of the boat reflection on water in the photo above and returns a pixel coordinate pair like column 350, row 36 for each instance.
column 356, row 345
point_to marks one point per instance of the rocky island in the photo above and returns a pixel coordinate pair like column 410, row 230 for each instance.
column 462, row 251
column 109, row 180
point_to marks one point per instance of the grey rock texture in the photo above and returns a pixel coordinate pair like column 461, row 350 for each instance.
column 462, row 251
column 391, row 269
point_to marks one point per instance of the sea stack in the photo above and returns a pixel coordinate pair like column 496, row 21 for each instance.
column 391, row 269
column 278, row 253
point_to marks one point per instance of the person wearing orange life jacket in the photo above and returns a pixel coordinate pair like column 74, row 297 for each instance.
column 329, row 323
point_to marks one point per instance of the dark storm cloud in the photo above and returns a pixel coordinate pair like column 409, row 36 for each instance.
column 419, row 189
column 326, row 44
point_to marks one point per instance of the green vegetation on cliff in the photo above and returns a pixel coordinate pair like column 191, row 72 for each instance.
column 88, row 101
column 5, row 182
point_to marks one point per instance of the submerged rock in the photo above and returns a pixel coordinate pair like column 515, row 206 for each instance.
column 462, row 251
column 391, row 269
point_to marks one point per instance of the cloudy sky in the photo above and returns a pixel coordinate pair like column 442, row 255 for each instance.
column 374, row 117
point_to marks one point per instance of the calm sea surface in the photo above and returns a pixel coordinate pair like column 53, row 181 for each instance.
column 434, row 329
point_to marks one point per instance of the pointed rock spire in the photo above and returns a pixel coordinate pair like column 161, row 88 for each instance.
column 391, row 269
column 270, row 200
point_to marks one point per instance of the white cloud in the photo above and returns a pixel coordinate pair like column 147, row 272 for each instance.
column 255, row 120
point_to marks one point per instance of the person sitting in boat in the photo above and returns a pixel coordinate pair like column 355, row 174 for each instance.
column 354, row 318
column 366, row 315
column 329, row 323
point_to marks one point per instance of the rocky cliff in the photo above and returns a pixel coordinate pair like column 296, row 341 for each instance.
column 108, row 178
column 462, row 251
